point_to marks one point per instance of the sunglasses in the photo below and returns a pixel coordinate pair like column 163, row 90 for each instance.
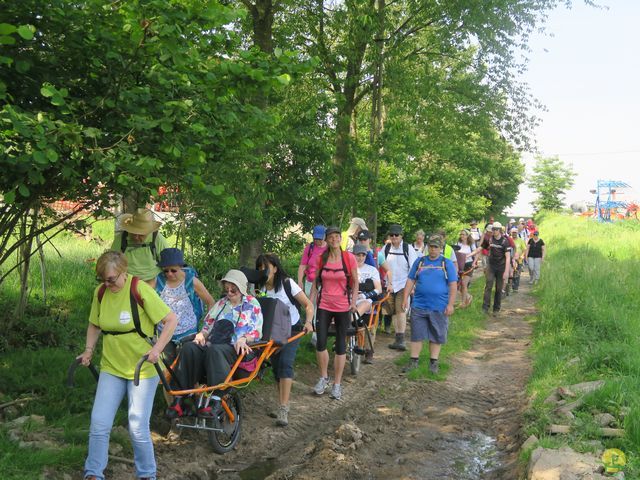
column 110, row 280
column 394, row 234
column 172, row 270
column 231, row 290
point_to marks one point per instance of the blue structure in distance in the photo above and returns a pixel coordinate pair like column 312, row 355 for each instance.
column 606, row 204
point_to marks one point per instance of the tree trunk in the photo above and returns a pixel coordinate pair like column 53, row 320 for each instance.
column 24, row 256
column 377, row 123
column 262, row 15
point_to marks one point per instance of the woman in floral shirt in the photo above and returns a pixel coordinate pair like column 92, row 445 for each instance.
column 232, row 323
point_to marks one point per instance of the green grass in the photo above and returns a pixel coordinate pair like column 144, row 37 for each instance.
column 589, row 318
column 463, row 327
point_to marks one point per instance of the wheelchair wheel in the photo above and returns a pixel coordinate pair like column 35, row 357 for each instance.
column 225, row 440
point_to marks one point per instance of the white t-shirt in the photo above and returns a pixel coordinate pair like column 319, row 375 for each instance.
column 282, row 295
column 367, row 271
column 399, row 266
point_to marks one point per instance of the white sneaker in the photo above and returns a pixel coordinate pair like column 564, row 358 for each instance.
column 321, row 386
column 336, row 392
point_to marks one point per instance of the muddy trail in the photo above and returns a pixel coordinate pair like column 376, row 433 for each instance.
column 465, row 427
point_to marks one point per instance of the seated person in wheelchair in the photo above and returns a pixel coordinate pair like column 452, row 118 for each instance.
column 233, row 322
column 370, row 288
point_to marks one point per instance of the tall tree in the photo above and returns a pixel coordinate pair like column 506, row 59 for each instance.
column 551, row 179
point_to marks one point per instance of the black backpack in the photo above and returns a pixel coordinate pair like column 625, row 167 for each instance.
column 405, row 251
column 124, row 243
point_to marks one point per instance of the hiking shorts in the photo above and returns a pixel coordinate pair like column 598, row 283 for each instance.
column 429, row 325
column 393, row 305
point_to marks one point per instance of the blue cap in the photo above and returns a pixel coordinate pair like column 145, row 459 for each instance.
column 318, row 232
column 171, row 256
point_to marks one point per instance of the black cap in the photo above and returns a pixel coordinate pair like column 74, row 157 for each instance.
column 330, row 230
column 364, row 235
column 395, row 229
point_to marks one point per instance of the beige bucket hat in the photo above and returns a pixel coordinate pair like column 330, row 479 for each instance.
column 238, row 278
column 139, row 223
column 356, row 222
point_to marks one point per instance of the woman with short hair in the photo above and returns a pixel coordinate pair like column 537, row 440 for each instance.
column 126, row 332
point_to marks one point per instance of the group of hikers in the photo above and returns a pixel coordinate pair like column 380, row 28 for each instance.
column 147, row 290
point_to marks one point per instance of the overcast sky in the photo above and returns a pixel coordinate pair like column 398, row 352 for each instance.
column 586, row 70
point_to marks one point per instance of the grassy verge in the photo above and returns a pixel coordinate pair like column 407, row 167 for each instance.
column 588, row 329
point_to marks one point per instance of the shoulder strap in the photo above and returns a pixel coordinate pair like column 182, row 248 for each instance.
column 310, row 250
column 387, row 249
column 154, row 249
column 405, row 251
column 135, row 300
column 444, row 269
column 101, row 290
column 346, row 266
column 124, row 241
column 287, row 289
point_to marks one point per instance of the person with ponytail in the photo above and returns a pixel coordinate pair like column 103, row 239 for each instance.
column 335, row 289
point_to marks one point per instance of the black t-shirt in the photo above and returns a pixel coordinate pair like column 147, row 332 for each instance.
column 498, row 248
column 535, row 248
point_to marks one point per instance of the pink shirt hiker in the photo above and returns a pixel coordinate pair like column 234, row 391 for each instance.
column 311, row 260
column 334, row 286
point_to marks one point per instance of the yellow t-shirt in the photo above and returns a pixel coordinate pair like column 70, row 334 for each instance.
column 120, row 353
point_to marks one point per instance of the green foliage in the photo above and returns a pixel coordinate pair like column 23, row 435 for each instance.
column 587, row 325
column 550, row 180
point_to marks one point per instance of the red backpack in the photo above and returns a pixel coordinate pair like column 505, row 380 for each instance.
column 346, row 268
column 136, row 301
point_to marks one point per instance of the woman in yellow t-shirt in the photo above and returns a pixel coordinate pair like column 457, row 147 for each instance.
column 122, row 348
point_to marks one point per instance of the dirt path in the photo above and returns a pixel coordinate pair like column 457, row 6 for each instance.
column 467, row 427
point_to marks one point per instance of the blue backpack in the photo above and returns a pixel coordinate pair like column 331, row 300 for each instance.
column 196, row 301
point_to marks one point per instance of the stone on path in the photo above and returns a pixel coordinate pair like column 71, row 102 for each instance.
column 563, row 464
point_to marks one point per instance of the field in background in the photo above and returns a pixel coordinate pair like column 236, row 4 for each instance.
column 588, row 329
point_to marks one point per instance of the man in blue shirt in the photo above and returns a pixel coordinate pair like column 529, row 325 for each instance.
column 435, row 279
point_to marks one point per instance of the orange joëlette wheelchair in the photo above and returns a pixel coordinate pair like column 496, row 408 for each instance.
column 224, row 426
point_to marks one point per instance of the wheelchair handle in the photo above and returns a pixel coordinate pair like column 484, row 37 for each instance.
column 136, row 375
column 72, row 371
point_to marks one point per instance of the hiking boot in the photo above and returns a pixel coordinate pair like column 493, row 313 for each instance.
column 368, row 357
column 176, row 409
column 321, row 386
column 282, row 419
column 496, row 312
column 336, row 392
column 433, row 366
column 399, row 343
column 412, row 365
column 387, row 330
column 485, row 310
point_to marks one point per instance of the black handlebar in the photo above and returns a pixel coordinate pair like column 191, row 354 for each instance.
column 136, row 375
column 72, row 371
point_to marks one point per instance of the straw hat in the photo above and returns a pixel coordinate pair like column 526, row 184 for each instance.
column 139, row 223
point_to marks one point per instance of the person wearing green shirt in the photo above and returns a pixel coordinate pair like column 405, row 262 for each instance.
column 141, row 243
column 123, row 346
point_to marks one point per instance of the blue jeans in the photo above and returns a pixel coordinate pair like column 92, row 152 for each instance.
column 111, row 390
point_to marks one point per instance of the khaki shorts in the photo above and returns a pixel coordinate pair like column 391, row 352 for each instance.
column 393, row 304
